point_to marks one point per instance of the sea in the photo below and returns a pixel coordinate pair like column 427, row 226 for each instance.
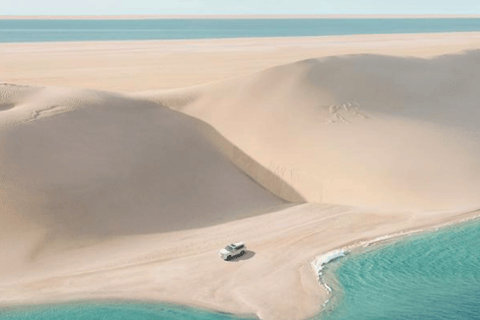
column 103, row 30
column 109, row 310
column 435, row 275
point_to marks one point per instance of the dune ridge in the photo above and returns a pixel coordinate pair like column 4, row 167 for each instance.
column 130, row 196
column 355, row 130
column 84, row 164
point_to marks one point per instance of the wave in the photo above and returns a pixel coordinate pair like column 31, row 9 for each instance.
column 321, row 261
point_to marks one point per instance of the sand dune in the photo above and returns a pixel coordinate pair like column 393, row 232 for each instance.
column 90, row 165
column 358, row 130
column 105, row 195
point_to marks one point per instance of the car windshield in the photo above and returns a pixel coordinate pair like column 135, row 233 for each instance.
column 230, row 248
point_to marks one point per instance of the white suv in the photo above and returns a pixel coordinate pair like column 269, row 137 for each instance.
column 233, row 250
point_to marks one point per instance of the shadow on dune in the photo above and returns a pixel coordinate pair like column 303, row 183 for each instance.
column 250, row 167
column 174, row 99
column 6, row 106
column 442, row 89
column 118, row 166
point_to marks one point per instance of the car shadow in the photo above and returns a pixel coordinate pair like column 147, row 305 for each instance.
column 247, row 255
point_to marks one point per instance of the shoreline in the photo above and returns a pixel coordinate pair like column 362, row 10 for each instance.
column 355, row 244
column 385, row 240
column 170, row 64
column 354, row 247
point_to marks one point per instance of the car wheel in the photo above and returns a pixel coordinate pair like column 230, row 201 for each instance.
column 229, row 258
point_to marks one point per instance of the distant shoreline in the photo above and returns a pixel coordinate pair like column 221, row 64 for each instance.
column 299, row 16
column 23, row 62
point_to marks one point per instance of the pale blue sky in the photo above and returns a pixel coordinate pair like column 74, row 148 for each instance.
column 113, row 7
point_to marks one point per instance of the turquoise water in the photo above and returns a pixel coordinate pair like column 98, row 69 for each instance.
column 432, row 276
column 89, row 30
column 111, row 311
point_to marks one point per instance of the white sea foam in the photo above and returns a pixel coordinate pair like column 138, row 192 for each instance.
column 319, row 263
column 322, row 260
column 380, row 239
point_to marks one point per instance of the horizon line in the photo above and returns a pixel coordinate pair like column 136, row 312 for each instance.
column 233, row 16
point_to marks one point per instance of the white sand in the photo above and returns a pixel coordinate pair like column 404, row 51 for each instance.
column 356, row 130
column 114, row 195
column 150, row 65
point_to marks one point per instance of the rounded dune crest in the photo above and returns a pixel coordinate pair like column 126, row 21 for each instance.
column 365, row 130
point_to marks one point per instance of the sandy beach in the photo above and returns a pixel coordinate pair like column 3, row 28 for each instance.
column 129, row 66
column 126, row 166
